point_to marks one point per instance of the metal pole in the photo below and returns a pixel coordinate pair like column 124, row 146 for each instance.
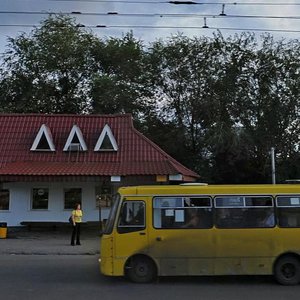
column 100, row 217
column 273, row 165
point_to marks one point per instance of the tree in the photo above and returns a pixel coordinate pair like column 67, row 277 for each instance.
column 120, row 85
column 50, row 70
column 231, row 100
column 269, row 110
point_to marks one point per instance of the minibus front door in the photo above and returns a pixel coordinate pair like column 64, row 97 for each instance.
column 131, row 237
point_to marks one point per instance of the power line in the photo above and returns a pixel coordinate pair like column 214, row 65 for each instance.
column 183, row 2
column 236, row 3
column 167, row 15
column 195, row 27
column 162, row 27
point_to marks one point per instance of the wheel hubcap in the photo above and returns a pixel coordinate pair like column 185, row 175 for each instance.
column 141, row 270
column 288, row 271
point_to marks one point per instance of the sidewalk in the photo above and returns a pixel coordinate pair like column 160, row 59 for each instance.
column 20, row 241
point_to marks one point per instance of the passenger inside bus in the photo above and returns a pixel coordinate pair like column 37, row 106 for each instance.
column 269, row 220
column 193, row 220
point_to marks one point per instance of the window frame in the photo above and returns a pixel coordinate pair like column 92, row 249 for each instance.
column 279, row 207
column 8, row 209
column 244, row 201
column 46, row 132
column 244, row 206
column 32, row 200
column 286, row 196
column 121, row 229
column 106, row 132
column 183, row 207
column 77, row 201
column 103, row 194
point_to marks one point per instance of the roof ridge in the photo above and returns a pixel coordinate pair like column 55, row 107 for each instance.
column 126, row 115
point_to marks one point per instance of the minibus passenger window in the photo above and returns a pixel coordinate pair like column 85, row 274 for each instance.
column 288, row 211
column 244, row 212
column 182, row 212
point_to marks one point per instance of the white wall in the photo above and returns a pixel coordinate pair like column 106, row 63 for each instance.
column 20, row 203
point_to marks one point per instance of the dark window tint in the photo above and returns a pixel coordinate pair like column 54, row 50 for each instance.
column 197, row 201
column 288, row 211
column 258, row 201
column 106, row 144
column 103, row 196
column 4, row 199
column 232, row 201
column 43, row 144
column 72, row 197
column 40, row 198
column 132, row 216
column 288, row 201
column 245, row 217
column 244, row 212
column 182, row 212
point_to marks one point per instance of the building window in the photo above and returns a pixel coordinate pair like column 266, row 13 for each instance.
column 72, row 197
column 43, row 141
column 4, row 199
column 40, row 198
column 106, row 141
column 103, row 196
column 75, row 141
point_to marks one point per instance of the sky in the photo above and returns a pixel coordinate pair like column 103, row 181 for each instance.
column 155, row 14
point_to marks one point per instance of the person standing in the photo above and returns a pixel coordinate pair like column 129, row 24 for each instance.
column 77, row 219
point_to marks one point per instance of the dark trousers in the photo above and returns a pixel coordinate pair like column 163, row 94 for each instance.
column 76, row 234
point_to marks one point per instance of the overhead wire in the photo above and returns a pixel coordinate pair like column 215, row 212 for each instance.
column 161, row 15
column 163, row 27
column 182, row 2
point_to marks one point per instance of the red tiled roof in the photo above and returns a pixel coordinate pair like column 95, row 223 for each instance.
column 136, row 154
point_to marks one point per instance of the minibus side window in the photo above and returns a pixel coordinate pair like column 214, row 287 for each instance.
column 132, row 217
column 244, row 211
column 182, row 212
column 288, row 211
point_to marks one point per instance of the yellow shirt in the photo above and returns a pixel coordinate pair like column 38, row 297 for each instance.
column 77, row 214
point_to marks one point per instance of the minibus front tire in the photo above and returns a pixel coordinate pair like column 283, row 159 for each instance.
column 287, row 270
column 140, row 269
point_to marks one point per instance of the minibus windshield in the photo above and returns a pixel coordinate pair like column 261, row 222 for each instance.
column 112, row 215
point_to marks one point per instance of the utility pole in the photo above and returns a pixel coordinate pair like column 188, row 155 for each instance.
column 273, row 165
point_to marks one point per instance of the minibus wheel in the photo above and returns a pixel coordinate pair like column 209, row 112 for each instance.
column 141, row 269
column 287, row 270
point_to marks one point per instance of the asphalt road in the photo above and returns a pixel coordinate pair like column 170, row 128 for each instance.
column 75, row 277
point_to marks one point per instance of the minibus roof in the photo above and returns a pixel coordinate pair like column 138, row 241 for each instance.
column 254, row 189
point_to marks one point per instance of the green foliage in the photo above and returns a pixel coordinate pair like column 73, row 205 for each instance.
column 233, row 99
column 217, row 105
column 120, row 85
column 49, row 70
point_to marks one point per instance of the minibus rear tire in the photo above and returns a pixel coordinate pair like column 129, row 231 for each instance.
column 140, row 269
column 287, row 270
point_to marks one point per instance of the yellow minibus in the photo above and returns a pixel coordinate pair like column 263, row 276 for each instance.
column 200, row 229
